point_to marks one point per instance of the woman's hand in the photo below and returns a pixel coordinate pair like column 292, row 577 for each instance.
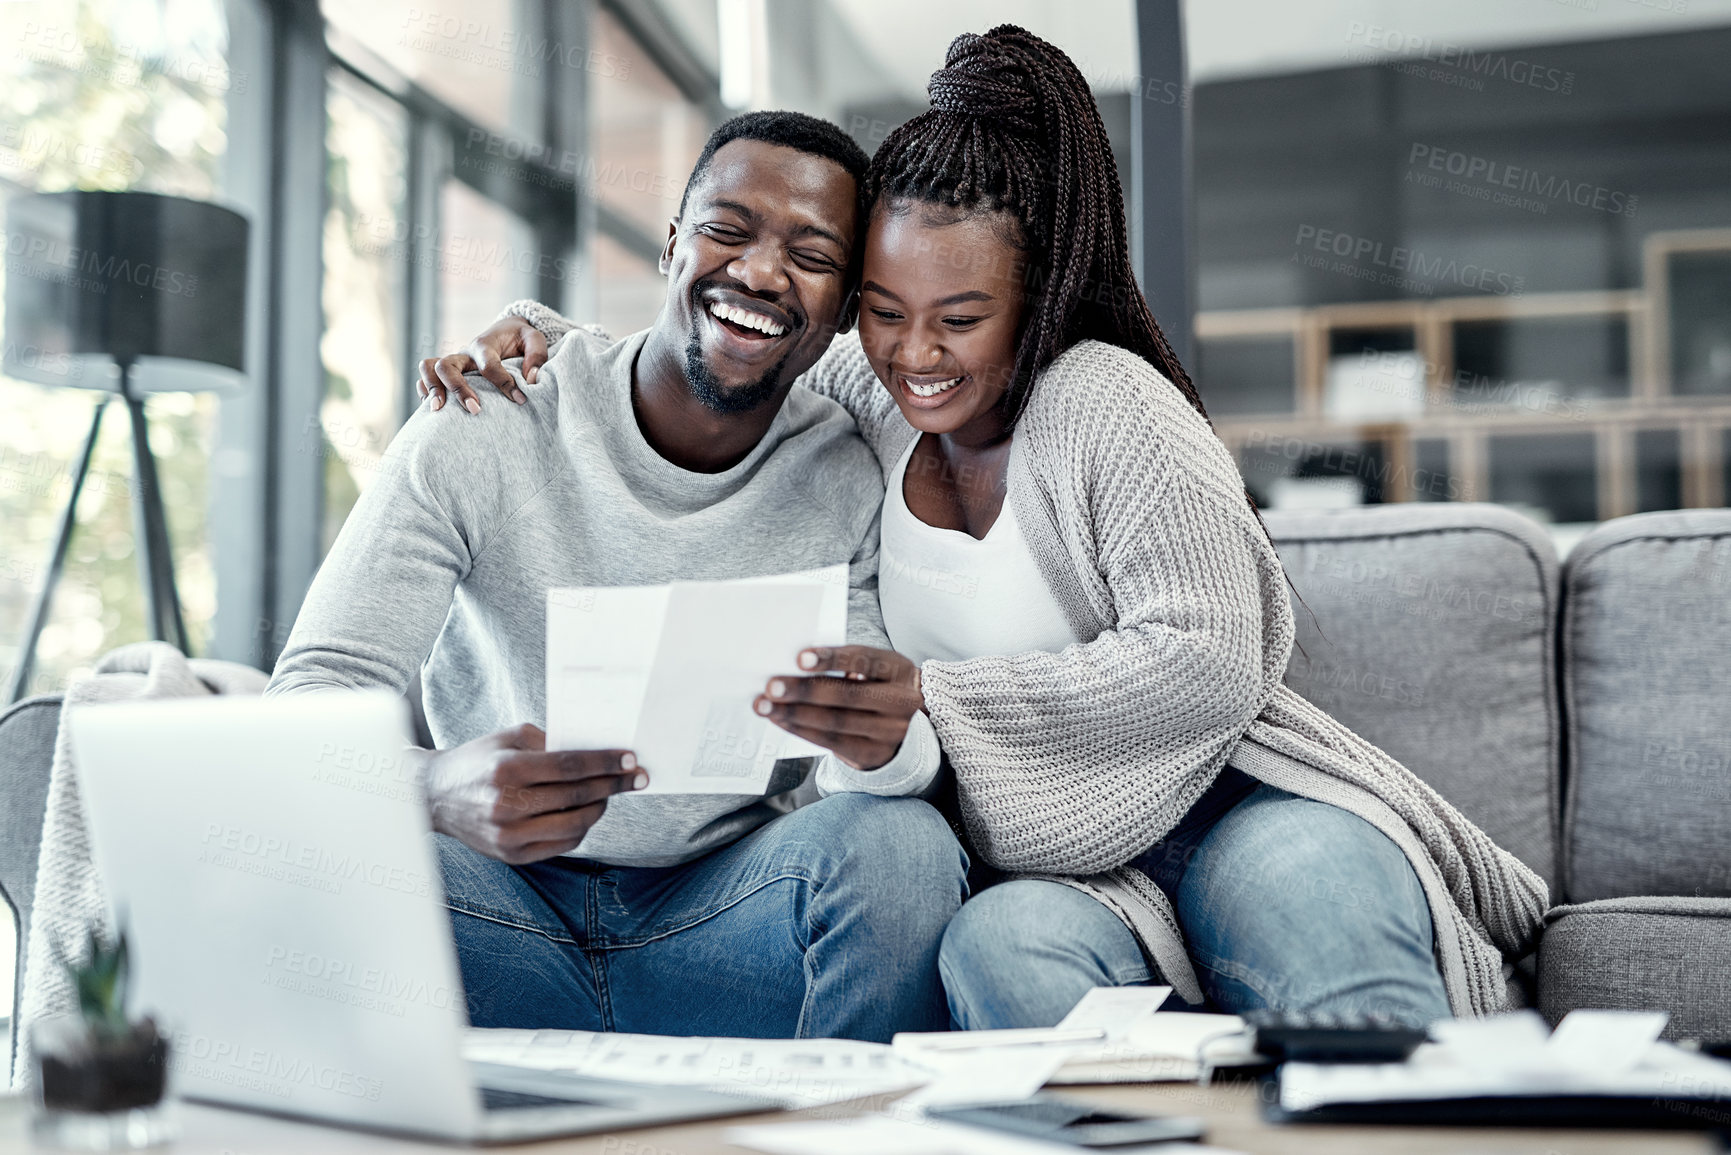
column 862, row 717
column 486, row 354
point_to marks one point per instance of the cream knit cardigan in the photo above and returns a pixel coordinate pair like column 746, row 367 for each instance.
column 1070, row 765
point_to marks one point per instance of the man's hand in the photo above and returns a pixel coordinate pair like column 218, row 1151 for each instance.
column 861, row 718
column 486, row 354
column 509, row 798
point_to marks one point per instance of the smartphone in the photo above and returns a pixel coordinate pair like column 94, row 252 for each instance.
column 1060, row 1120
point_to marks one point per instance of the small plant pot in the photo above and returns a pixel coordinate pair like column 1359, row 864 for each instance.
column 100, row 1093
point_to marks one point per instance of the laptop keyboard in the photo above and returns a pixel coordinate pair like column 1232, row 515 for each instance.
column 499, row 1099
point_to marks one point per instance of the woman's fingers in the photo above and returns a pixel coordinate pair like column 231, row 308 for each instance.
column 898, row 698
column 534, row 354
column 859, row 663
column 491, row 366
column 833, row 721
column 859, row 752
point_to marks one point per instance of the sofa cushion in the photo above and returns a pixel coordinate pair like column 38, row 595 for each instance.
column 1646, row 630
column 1646, row 954
column 1431, row 631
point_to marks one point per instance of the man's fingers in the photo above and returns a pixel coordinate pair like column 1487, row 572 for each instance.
column 550, row 834
column 536, row 767
column 519, row 803
column 892, row 698
column 534, row 354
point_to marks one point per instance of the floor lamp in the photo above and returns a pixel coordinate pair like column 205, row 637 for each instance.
column 127, row 293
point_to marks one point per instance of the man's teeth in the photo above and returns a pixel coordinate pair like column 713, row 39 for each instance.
column 934, row 388
column 747, row 318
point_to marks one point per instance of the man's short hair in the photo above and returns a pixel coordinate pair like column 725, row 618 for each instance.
column 790, row 129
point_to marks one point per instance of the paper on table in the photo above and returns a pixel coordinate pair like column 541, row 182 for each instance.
column 1115, row 1010
column 1606, row 1042
column 876, row 1134
column 998, row 1075
column 794, row 1072
column 1455, row 1067
column 670, row 671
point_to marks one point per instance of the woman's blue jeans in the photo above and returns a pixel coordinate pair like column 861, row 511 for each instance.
column 1285, row 903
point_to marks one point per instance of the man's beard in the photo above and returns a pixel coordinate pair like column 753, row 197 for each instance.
column 716, row 397
column 719, row 398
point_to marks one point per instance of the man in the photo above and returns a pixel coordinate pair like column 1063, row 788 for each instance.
column 677, row 453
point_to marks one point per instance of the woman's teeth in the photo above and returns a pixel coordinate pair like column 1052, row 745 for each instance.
column 934, row 388
column 747, row 319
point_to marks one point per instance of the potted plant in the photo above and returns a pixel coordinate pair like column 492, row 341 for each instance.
column 100, row 1075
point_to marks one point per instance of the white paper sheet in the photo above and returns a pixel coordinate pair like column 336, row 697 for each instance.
column 793, row 1072
column 1498, row 1057
column 670, row 671
column 1115, row 1010
column 994, row 1075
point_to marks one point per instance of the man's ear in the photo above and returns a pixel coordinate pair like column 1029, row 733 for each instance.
column 849, row 313
column 667, row 249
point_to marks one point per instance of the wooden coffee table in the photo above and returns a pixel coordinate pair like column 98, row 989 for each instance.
column 1232, row 1113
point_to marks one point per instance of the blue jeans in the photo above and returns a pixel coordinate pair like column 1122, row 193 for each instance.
column 823, row 923
column 1285, row 903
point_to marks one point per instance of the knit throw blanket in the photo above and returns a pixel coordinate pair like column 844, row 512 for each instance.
column 69, row 894
column 1070, row 765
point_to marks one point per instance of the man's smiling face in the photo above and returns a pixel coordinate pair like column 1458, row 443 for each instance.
column 757, row 270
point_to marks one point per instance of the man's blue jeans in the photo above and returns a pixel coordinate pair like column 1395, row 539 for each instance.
column 1285, row 903
column 823, row 923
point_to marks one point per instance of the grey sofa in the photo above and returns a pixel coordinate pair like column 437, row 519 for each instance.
column 1578, row 715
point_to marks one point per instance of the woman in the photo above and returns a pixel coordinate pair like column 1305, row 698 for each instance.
column 1100, row 621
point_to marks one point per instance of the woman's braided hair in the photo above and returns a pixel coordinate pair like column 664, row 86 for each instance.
column 1013, row 127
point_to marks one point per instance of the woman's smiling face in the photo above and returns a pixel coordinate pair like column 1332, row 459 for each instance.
column 940, row 313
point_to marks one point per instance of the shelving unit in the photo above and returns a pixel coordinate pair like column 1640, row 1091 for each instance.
column 1523, row 399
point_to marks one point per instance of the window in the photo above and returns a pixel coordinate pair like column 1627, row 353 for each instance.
column 486, row 259
column 646, row 134
column 1699, row 291
column 478, row 56
column 110, row 95
column 366, row 242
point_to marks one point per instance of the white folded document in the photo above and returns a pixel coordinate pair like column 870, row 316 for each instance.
column 670, row 671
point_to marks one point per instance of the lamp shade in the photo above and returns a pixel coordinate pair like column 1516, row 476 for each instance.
column 126, row 276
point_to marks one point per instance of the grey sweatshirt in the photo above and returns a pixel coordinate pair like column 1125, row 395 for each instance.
column 469, row 520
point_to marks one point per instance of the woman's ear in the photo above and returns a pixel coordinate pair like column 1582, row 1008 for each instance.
column 849, row 313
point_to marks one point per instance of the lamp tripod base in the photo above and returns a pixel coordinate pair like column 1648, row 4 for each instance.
column 155, row 555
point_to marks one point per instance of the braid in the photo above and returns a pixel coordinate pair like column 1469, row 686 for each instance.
column 1014, row 128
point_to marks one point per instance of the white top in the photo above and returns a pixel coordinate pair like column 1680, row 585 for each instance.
column 948, row 595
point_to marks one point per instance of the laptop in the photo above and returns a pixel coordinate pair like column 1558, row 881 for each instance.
column 272, row 861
